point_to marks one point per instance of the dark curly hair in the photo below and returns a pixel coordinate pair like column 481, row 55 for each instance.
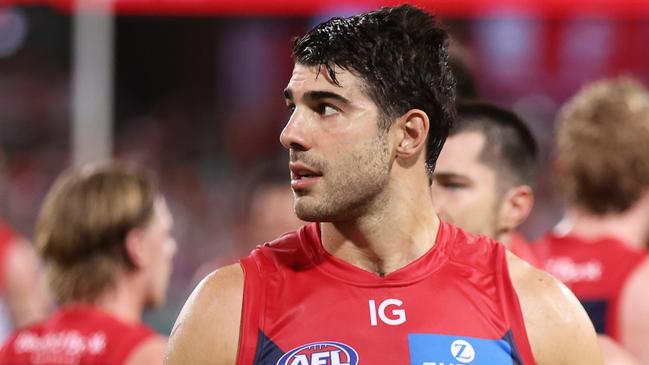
column 401, row 55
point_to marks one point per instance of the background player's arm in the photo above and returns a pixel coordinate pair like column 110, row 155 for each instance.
column 25, row 288
column 634, row 313
column 207, row 329
column 558, row 328
column 614, row 354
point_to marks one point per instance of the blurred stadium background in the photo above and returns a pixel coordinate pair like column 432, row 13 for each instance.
column 193, row 90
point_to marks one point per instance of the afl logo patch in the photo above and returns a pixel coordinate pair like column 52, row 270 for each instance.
column 320, row 353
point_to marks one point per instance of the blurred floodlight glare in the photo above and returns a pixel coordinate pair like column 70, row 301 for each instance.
column 338, row 11
column 510, row 45
column 13, row 31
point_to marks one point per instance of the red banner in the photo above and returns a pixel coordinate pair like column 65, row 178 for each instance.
column 632, row 9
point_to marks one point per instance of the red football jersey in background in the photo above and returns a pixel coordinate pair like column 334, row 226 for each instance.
column 595, row 271
column 76, row 335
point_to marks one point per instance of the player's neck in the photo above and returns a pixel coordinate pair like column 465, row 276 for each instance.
column 124, row 301
column 630, row 226
column 403, row 229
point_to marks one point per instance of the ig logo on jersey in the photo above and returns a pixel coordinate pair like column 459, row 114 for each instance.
column 320, row 353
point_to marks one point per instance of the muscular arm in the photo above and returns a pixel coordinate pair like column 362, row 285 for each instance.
column 207, row 329
column 634, row 313
column 558, row 328
column 25, row 288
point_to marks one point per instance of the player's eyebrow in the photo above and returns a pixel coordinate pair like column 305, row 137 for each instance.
column 447, row 175
column 318, row 95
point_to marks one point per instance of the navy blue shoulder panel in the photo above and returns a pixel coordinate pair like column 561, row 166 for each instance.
column 268, row 353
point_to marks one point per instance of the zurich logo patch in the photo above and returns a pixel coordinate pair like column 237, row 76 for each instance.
column 462, row 351
column 320, row 353
column 436, row 349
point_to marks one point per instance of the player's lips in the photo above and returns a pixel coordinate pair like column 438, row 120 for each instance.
column 302, row 176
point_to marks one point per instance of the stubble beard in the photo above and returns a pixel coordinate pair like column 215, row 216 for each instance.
column 352, row 187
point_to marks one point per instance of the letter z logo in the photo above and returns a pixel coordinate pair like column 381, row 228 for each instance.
column 462, row 351
column 398, row 316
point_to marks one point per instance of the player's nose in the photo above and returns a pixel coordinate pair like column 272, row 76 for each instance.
column 294, row 135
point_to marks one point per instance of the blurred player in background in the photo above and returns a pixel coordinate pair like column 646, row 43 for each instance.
column 485, row 174
column 377, row 278
column 267, row 206
column 23, row 297
column 265, row 203
column 484, row 183
column 104, row 232
column 602, row 141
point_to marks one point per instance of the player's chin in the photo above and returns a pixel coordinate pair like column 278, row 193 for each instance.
column 306, row 210
column 301, row 192
column 308, row 217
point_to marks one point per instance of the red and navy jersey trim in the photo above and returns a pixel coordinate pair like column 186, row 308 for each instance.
column 268, row 353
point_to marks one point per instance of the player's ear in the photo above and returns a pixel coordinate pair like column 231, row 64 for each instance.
column 516, row 206
column 135, row 249
column 413, row 129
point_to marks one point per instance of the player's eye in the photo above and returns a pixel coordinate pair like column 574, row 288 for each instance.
column 325, row 110
column 453, row 185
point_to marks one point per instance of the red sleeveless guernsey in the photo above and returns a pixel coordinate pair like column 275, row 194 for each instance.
column 595, row 271
column 74, row 336
column 454, row 305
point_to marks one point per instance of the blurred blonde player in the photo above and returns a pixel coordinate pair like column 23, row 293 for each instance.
column 603, row 172
column 484, row 177
column 104, row 232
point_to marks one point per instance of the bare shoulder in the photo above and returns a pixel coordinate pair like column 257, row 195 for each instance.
column 21, row 255
column 558, row 328
column 26, row 293
column 634, row 312
column 635, row 294
column 207, row 329
column 149, row 352
column 21, row 263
